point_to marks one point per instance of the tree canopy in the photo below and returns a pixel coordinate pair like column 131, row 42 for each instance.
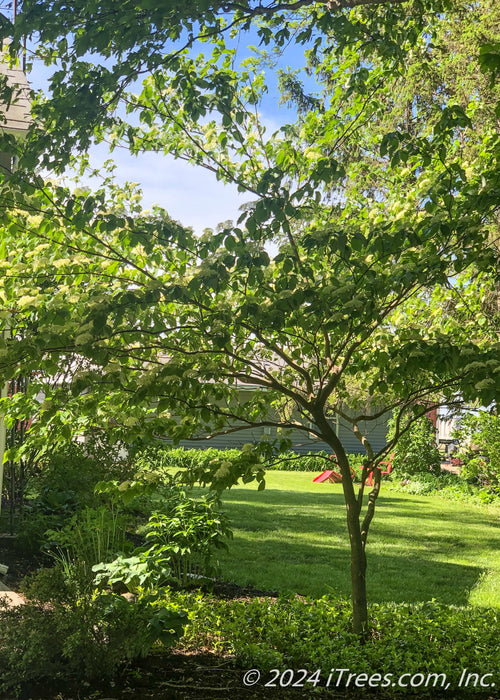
column 357, row 278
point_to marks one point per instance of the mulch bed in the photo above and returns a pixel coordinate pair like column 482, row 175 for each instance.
column 174, row 676
column 20, row 563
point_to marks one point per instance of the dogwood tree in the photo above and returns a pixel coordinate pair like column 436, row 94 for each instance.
column 331, row 295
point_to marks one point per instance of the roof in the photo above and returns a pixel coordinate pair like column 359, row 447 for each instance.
column 16, row 117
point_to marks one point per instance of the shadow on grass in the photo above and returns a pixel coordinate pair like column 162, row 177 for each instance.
column 412, row 505
column 297, row 542
column 316, row 570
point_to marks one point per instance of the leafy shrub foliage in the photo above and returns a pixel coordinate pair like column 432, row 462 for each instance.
column 187, row 532
column 161, row 459
column 305, row 633
column 180, row 541
column 220, row 469
column 75, row 470
column 416, row 450
column 63, row 485
column 479, row 437
column 60, row 633
column 446, row 485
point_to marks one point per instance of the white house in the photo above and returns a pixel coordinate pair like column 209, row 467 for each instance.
column 15, row 119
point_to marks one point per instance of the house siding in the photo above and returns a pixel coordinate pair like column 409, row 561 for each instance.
column 302, row 444
column 16, row 117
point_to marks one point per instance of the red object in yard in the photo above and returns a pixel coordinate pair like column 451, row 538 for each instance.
column 330, row 475
column 387, row 463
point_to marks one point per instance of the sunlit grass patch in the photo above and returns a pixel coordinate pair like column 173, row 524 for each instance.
column 292, row 537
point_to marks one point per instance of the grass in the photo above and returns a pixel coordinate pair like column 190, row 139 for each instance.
column 292, row 538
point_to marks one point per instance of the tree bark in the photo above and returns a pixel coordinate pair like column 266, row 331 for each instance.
column 358, row 555
column 358, row 584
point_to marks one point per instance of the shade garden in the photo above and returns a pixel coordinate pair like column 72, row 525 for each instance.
column 167, row 602
column 356, row 288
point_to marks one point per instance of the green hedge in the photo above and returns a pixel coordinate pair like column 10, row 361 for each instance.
column 162, row 458
column 311, row 462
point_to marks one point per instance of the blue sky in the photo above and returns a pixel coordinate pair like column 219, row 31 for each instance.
column 190, row 194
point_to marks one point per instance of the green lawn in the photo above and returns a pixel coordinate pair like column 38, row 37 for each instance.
column 292, row 537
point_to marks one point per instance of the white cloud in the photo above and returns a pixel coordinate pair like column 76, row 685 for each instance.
column 190, row 194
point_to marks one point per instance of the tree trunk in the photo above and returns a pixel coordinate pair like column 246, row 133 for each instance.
column 358, row 555
column 358, row 578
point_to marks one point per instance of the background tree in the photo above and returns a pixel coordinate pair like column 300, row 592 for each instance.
column 416, row 450
column 374, row 233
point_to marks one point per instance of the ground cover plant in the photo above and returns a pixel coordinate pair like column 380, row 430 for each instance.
column 315, row 634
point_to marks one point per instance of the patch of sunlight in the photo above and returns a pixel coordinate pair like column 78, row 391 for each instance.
column 486, row 592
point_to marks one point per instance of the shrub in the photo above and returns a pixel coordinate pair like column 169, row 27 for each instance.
column 64, row 484
column 74, row 472
column 479, row 436
column 416, row 450
column 446, row 485
column 187, row 532
column 180, row 541
column 142, row 570
column 60, row 635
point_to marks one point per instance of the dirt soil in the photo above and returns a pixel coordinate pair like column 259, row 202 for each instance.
column 20, row 563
